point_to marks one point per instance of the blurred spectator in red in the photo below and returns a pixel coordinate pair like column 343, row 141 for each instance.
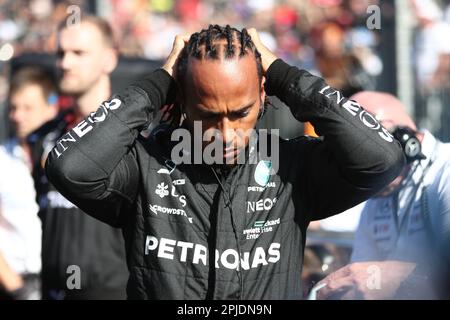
column 333, row 63
column 188, row 10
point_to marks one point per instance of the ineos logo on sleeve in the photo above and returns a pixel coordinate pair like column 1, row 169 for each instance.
column 355, row 109
column 114, row 104
column 369, row 120
column 85, row 126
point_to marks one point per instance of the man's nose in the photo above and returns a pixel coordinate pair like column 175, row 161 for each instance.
column 16, row 116
column 65, row 61
column 226, row 131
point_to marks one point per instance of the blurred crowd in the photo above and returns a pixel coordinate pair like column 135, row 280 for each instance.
column 330, row 38
column 145, row 27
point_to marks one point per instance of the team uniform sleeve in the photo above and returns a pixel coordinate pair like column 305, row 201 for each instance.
column 94, row 165
column 355, row 158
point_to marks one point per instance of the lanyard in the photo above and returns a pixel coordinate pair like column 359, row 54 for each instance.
column 400, row 226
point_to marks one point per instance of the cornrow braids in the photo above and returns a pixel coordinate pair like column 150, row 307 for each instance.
column 244, row 36
column 210, row 48
column 215, row 42
column 230, row 47
column 193, row 45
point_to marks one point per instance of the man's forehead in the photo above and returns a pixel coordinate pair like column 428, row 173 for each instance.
column 220, row 73
column 384, row 116
column 224, row 65
column 380, row 114
column 83, row 36
column 31, row 89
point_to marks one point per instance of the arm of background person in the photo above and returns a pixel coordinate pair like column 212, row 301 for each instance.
column 9, row 279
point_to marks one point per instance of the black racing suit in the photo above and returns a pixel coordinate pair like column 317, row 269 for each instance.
column 185, row 231
column 72, row 241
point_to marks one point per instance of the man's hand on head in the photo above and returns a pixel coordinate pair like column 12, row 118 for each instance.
column 267, row 56
column 178, row 46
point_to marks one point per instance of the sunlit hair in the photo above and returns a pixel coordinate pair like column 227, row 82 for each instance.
column 101, row 24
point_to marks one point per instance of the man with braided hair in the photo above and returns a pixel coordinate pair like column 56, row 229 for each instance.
column 229, row 229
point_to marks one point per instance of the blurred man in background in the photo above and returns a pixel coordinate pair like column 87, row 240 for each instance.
column 32, row 102
column 401, row 244
column 82, row 258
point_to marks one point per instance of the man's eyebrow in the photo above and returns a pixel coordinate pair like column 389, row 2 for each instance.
column 206, row 111
column 243, row 109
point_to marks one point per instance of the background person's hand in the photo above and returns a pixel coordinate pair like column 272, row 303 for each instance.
column 267, row 56
column 373, row 280
column 178, row 45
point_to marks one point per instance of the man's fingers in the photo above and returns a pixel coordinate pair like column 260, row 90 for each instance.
column 337, row 280
column 252, row 32
column 335, row 288
column 255, row 36
column 180, row 42
column 340, row 273
column 178, row 45
column 186, row 37
column 267, row 57
column 182, row 38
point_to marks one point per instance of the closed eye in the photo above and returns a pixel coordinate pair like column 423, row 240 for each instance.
column 209, row 115
column 237, row 114
column 240, row 114
column 243, row 112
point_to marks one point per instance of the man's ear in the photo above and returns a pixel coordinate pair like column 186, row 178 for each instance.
column 262, row 91
column 180, row 97
column 179, row 102
column 111, row 60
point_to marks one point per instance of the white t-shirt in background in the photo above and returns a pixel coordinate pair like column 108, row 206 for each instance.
column 20, row 226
